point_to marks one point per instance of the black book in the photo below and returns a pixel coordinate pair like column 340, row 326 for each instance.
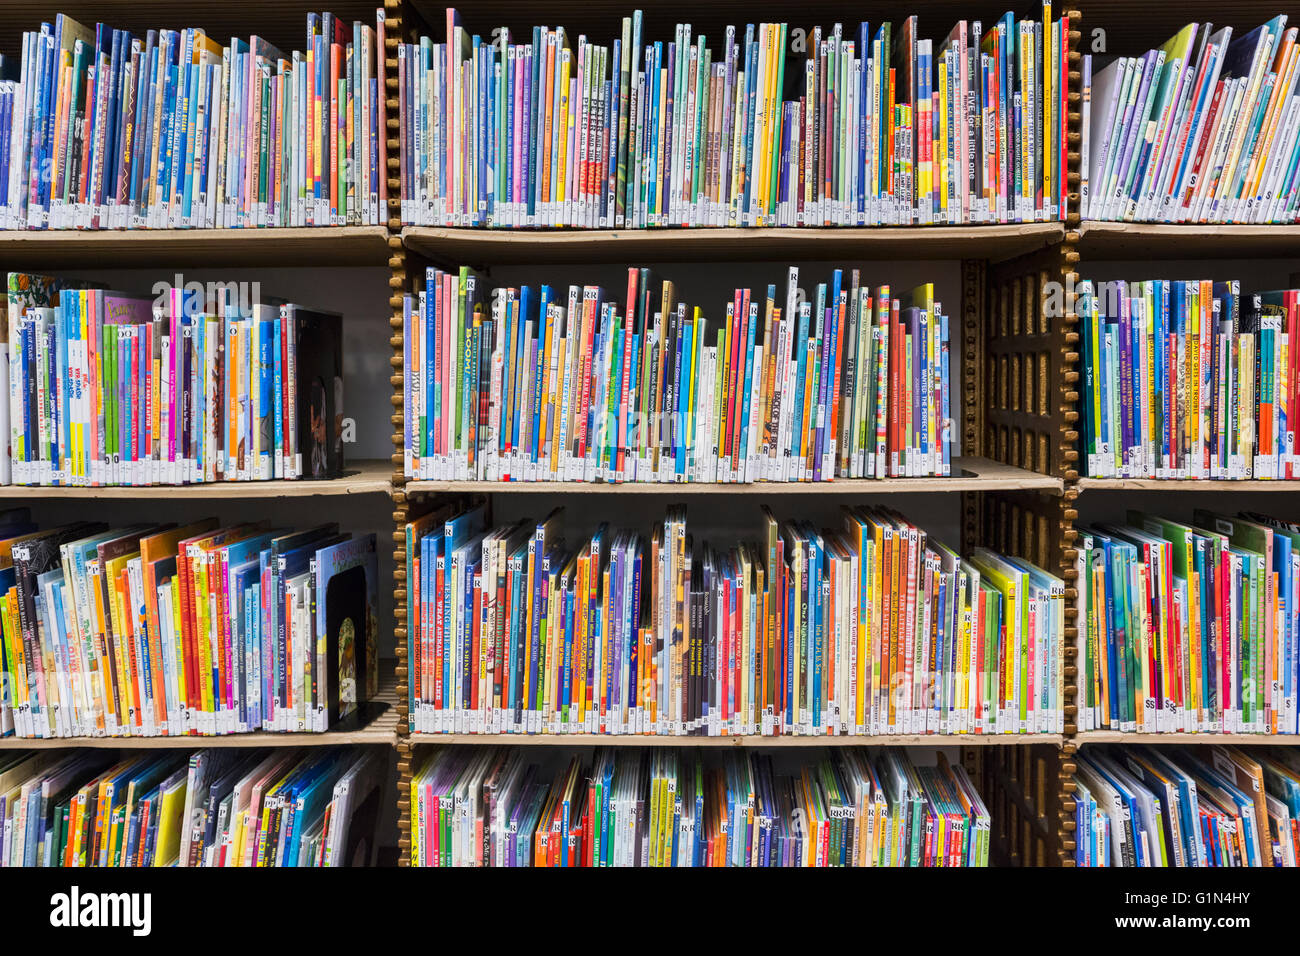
column 316, row 371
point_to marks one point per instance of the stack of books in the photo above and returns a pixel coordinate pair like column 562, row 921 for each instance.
column 205, row 808
column 1190, row 628
column 1189, row 379
column 486, row 806
column 867, row 127
column 1202, row 806
column 1206, row 128
column 532, row 384
column 869, row 629
column 154, row 630
column 104, row 129
column 106, row 388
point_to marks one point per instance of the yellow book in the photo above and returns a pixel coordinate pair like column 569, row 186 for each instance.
column 167, row 843
column 758, row 194
column 1048, row 86
column 563, row 124
column 123, row 634
column 1009, row 580
column 941, row 152
column 202, row 628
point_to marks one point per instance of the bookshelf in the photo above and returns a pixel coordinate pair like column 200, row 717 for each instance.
column 1131, row 250
column 1017, row 483
column 1146, row 240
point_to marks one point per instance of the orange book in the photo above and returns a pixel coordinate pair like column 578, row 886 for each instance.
column 155, row 548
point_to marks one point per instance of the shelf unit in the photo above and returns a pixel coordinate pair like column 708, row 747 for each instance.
column 1125, row 248
column 1014, row 407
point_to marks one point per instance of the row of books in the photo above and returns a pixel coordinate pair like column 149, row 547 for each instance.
column 1202, row 806
column 534, row 384
column 106, row 129
column 485, row 806
column 1189, row 379
column 873, row 628
column 861, row 127
column 155, row 630
column 205, row 808
column 1190, row 628
column 106, row 388
column 1205, row 128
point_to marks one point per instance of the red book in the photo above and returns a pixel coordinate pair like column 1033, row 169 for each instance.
column 440, row 584
column 1205, row 138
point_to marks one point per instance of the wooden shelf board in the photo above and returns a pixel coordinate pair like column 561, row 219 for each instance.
column 969, row 474
column 513, row 246
column 1137, row 241
column 653, row 740
column 135, row 248
column 1116, row 737
column 382, row 731
column 360, row 478
column 1188, row 484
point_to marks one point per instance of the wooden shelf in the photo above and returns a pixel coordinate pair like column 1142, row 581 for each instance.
column 1116, row 737
column 361, row 478
column 516, row 246
column 969, row 474
column 1103, row 241
column 382, row 731
column 751, row 740
column 137, row 248
column 1186, row 484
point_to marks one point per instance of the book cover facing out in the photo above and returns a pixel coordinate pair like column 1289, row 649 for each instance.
column 347, row 576
column 319, row 380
